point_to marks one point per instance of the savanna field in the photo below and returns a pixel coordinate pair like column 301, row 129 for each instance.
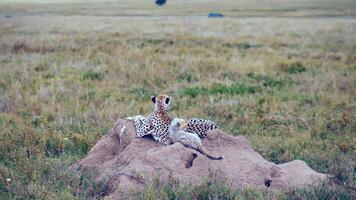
column 280, row 73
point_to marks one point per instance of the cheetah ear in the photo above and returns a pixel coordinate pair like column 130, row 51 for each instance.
column 153, row 98
column 167, row 100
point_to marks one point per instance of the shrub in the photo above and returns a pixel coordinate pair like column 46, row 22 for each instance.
column 266, row 81
column 186, row 76
column 293, row 68
column 42, row 66
column 241, row 45
column 92, row 75
column 220, row 89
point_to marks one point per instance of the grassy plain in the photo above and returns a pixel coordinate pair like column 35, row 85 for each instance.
column 282, row 73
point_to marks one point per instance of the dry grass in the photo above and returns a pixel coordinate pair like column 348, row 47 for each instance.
column 286, row 83
column 231, row 8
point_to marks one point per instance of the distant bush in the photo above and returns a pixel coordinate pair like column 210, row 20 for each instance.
column 42, row 66
column 92, row 75
column 266, row 81
column 48, row 76
column 141, row 43
column 22, row 47
column 243, row 45
column 186, row 76
column 159, row 41
column 220, row 89
column 293, row 68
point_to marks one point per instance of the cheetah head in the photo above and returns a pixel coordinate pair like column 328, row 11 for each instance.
column 177, row 124
column 161, row 102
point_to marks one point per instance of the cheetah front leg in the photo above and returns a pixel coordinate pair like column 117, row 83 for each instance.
column 145, row 128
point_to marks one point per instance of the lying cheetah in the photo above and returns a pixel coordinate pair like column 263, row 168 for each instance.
column 200, row 126
column 189, row 140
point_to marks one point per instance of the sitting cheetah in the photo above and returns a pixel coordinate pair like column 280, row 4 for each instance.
column 189, row 140
column 157, row 123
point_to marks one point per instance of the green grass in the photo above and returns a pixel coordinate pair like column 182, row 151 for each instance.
column 288, row 87
column 212, row 189
column 293, row 68
column 219, row 89
column 91, row 75
column 209, row 189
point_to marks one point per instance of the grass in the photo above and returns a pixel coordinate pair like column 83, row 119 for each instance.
column 230, row 8
column 209, row 189
column 219, row 89
column 288, row 87
column 212, row 189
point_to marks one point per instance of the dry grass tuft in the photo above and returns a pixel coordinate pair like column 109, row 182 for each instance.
column 287, row 84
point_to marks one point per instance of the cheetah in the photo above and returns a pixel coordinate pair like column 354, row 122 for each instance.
column 200, row 126
column 194, row 125
column 157, row 123
column 189, row 140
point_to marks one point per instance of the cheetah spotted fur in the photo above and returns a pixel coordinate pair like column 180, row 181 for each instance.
column 157, row 123
column 189, row 140
column 200, row 126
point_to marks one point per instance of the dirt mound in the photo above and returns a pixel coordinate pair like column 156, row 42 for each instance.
column 128, row 163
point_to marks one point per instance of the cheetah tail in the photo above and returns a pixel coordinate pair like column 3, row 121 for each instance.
column 202, row 150
column 214, row 157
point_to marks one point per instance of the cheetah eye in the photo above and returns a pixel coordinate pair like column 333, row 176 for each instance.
column 167, row 100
